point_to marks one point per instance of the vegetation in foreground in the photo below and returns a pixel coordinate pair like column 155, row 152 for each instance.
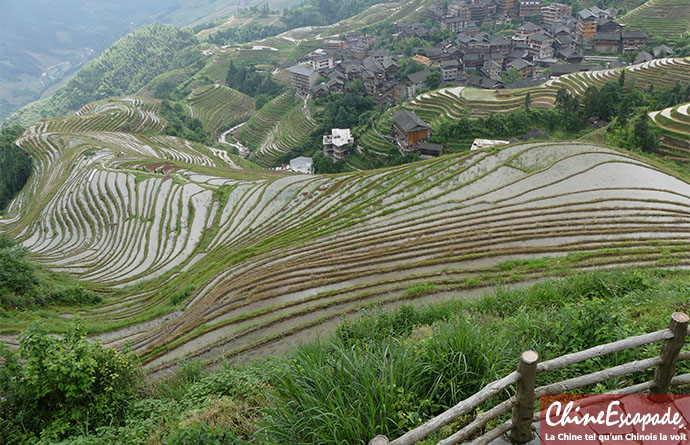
column 385, row 373
column 26, row 285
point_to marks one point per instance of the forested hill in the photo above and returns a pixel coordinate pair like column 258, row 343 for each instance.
column 122, row 69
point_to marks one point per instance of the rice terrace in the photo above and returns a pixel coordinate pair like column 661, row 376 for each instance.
column 263, row 257
column 358, row 222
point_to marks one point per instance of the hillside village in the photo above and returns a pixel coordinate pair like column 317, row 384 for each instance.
column 550, row 41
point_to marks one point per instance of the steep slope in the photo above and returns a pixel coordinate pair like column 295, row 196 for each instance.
column 228, row 261
column 219, row 107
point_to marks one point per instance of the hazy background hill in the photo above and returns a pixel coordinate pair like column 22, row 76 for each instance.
column 44, row 42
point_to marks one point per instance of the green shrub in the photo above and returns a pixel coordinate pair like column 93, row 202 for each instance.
column 181, row 295
column 200, row 434
column 55, row 387
column 24, row 285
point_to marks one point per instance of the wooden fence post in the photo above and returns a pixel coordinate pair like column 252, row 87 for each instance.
column 524, row 409
column 379, row 440
column 669, row 353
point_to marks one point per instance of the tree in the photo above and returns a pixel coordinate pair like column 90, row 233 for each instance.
column 261, row 100
column 647, row 140
column 433, row 80
column 52, row 385
column 528, row 100
column 15, row 165
column 511, row 76
column 356, row 87
column 621, row 79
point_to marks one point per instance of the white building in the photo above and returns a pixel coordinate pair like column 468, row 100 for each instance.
column 337, row 143
column 322, row 63
column 302, row 164
column 478, row 144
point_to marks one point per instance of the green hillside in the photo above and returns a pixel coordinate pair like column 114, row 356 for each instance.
column 123, row 68
column 675, row 138
column 667, row 19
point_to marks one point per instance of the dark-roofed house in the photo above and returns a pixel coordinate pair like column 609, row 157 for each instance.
column 500, row 45
column 633, row 40
column 643, row 56
column 565, row 42
column 522, row 66
column 303, row 78
column 606, row 42
column 608, row 25
column 409, row 129
column 416, row 81
column 662, row 51
column 428, row 150
column 379, row 54
column 568, row 68
column 570, row 56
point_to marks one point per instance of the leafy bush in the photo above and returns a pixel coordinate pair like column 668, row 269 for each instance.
column 200, row 434
column 24, row 285
column 55, row 387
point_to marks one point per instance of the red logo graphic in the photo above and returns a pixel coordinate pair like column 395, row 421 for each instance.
column 568, row 419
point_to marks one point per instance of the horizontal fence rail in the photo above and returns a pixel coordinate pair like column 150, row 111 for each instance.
column 519, row 427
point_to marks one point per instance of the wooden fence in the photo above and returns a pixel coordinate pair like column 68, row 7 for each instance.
column 519, row 427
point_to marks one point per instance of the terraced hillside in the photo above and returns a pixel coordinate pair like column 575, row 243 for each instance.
column 280, row 125
column 668, row 19
column 675, row 122
column 219, row 107
column 199, row 259
column 458, row 101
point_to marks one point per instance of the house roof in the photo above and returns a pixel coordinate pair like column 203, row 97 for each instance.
column 643, row 56
column 525, row 83
column 409, row 121
column 428, row 146
column 561, row 30
column 379, row 52
column 449, row 64
column 529, row 27
column 370, row 64
column 565, row 68
column 535, row 133
column 419, row 76
column 499, row 40
column 539, row 37
column 519, row 64
column 607, row 36
column 662, row 50
column 570, row 53
column 302, row 70
column 634, row 35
